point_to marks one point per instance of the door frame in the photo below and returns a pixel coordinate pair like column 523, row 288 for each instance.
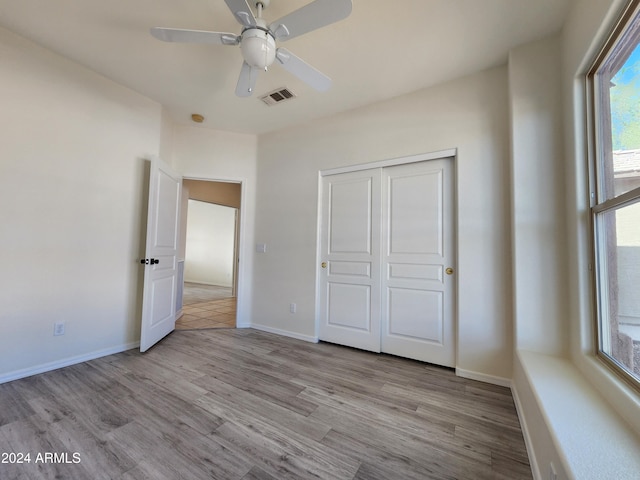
column 240, row 243
column 440, row 154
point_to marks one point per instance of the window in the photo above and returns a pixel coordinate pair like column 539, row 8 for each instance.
column 614, row 83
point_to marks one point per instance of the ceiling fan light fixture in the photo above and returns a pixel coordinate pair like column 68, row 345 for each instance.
column 258, row 48
column 258, row 39
column 196, row 117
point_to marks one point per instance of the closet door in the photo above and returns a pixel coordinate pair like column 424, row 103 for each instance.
column 417, row 262
column 349, row 279
column 386, row 279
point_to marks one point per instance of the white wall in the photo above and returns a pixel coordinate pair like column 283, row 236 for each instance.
column 72, row 193
column 470, row 114
column 538, row 197
column 166, row 136
column 201, row 153
column 210, row 244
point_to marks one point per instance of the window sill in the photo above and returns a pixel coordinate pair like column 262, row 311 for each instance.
column 591, row 441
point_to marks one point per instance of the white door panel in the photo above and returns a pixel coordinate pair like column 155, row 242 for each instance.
column 349, row 306
column 350, row 215
column 414, row 212
column 161, row 273
column 417, row 248
column 416, row 314
column 350, row 245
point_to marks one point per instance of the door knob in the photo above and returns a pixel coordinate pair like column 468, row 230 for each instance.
column 449, row 271
column 323, row 264
column 146, row 261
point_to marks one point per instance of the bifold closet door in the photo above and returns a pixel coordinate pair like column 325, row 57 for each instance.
column 350, row 270
column 417, row 262
column 387, row 243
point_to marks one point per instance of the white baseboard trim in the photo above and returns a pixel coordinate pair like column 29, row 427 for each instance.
column 535, row 470
column 47, row 367
column 285, row 333
column 483, row 377
column 243, row 325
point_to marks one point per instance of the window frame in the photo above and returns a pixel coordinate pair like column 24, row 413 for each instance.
column 602, row 199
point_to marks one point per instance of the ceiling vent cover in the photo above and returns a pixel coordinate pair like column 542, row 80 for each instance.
column 278, row 96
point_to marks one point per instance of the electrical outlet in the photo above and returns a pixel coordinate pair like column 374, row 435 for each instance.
column 552, row 472
column 58, row 329
column 293, row 307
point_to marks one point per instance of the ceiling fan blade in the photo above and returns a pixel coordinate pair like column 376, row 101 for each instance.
column 194, row 36
column 242, row 12
column 318, row 13
column 303, row 70
column 247, row 80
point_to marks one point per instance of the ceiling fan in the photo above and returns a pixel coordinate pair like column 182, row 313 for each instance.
column 258, row 39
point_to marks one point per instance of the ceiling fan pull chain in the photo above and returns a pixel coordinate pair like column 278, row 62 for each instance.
column 266, row 60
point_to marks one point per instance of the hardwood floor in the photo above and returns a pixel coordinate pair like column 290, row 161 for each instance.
column 243, row 404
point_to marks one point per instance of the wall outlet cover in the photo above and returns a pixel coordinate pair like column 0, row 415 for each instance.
column 58, row 329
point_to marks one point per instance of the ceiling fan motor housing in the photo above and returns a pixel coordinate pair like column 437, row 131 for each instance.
column 258, row 47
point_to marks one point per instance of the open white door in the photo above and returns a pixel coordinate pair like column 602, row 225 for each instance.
column 160, row 262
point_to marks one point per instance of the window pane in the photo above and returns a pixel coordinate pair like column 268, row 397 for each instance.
column 625, row 124
column 619, row 285
column 621, row 74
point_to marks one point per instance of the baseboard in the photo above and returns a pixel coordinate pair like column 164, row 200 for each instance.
column 47, row 367
column 284, row 333
column 528, row 441
column 483, row 377
column 243, row 325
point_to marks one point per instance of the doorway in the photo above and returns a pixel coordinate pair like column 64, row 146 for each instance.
column 209, row 269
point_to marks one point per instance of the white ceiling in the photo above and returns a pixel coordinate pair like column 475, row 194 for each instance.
column 384, row 49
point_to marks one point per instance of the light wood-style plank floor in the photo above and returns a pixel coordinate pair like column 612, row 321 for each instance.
column 243, row 404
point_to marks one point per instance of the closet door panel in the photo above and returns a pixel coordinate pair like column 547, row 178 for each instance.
column 349, row 278
column 417, row 249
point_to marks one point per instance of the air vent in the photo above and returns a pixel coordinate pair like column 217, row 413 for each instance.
column 278, row 96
